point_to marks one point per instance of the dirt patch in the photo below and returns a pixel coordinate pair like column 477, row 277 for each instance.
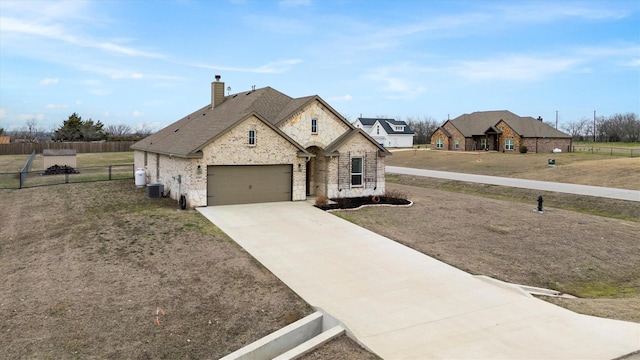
column 85, row 269
column 592, row 257
column 339, row 348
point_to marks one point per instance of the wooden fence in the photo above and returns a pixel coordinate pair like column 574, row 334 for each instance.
column 79, row 147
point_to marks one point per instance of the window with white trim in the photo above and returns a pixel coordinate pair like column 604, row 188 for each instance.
column 252, row 138
column 356, row 171
column 439, row 143
column 483, row 143
column 314, row 126
column 508, row 144
column 457, row 143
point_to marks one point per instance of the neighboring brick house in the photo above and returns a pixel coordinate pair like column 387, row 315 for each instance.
column 499, row 131
column 260, row 146
column 387, row 132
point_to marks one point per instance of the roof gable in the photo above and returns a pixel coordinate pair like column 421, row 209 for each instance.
column 332, row 149
column 477, row 123
column 388, row 125
column 187, row 136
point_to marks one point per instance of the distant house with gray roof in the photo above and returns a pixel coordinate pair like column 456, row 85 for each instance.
column 261, row 145
column 387, row 132
column 498, row 131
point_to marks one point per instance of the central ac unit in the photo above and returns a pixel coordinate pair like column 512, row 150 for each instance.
column 154, row 191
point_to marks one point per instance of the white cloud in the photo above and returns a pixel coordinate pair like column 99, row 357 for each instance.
column 137, row 113
column 55, row 106
column 58, row 32
column 25, row 117
column 274, row 67
column 632, row 63
column 48, row 81
column 514, row 67
column 545, row 11
column 3, row 113
column 122, row 75
column 78, row 102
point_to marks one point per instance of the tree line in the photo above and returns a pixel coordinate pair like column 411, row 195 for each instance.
column 614, row 128
column 77, row 129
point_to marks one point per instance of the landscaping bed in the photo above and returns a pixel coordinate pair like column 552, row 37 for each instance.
column 358, row 202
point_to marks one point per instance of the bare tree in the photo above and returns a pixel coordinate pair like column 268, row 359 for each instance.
column 577, row 129
column 30, row 133
column 144, row 130
column 620, row 127
column 118, row 132
column 423, row 128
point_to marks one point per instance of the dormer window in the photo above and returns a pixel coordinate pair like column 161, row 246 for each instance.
column 252, row 138
column 314, row 126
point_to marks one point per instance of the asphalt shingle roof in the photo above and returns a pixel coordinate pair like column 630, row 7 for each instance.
column 386, row 125
column 190, row 134
column 477, row 123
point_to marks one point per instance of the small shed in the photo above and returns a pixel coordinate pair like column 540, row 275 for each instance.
column 60, row 157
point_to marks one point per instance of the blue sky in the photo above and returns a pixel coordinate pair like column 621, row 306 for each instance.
column 152, row 62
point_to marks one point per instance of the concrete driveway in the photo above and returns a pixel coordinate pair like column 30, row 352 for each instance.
column 612, row 193
column 402, row 304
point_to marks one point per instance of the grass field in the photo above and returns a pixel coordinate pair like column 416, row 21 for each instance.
column 577, row 168
column 15, row 163
column 92, row 167
column 630, row 145
column 85, row 268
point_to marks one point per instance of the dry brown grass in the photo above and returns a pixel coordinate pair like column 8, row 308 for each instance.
column 585, row 169
column 84, row 268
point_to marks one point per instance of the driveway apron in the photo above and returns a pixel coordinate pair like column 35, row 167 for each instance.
column 402, row 304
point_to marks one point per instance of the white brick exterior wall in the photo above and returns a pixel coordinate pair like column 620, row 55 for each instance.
column 232, row 148
column 229, row 149
column 299, row 127
column 355, row 147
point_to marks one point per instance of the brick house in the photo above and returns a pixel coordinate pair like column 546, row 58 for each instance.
column 498, row 131
column 387, row 132
column 260, row 146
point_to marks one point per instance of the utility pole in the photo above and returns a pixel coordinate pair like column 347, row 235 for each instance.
column 556, row 119
column 594, row 126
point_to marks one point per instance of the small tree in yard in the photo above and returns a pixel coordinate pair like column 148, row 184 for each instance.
column 523, row 149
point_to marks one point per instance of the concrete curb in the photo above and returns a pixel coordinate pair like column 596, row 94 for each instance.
column 293, row 340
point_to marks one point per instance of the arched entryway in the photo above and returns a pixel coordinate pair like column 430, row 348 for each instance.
column 316, row 176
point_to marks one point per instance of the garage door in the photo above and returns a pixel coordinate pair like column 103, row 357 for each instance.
column 244, row 184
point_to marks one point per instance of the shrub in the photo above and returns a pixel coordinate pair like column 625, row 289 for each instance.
column 322, row 201
column 395, row 194
column 523, row 149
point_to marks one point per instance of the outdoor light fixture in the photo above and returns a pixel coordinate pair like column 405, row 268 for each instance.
column 199, row 169
column 300, row 167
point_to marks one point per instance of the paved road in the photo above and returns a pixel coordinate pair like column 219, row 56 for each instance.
column 612, row 193
column 402, row 304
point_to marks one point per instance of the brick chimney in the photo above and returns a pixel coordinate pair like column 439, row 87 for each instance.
column 217, row 92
